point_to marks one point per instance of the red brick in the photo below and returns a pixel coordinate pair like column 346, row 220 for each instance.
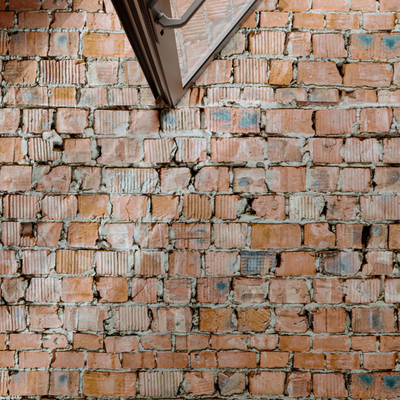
column 120, row 344
column 37, row 359
column 229, row 342
column 129, row 207
column 294, row 343
column 120, row 235
column 96, row 44
column 103, row 361
column 138, row 360
column 330, row 320
column 26, row 44
column 237, row 149
column 340, row 5
column 329, row 385
column 318, row 235
column 273, row 20
column 366, row 343
column 7, row 359
column 394, row 236
column 177, row 291
column 296, row 263
column 22, row 5
column 331, row 343
column 365, row 320
column 172, row 319
column 269, row 207
column 266, row 383
column 233, row 120
column 55, row 341
column 230, row 382
column 342, row 21
column 379, row 22
column 374, row 120
column 387, row 343
column 298, row 384
column 284, row 149
column 77, row 150
column 113, row 290
column 337, row 122
column 328, row 291
column 288, row 291
column 71, row 120
column 374, row 385
column 275, row 236
column 249, row 290
column 33, row 20
column 290, row 120
column 293, row 5
column 249, row 180
column 309, row 360
column 324, row 179
column 156, row 342
column 29, row 383
column 172, row 360
column 82, row 234
column 367, row 74
column 109, row 383
column 200, row 383
column 359, row 96
column 237, row 359
column 274, row 359
column 68, row 359
column 390, row 5
column 287, row 179
column 64, row 383
column 308, row 21
column 67, row 20
column 342, row 361
column 216, row 320
column 184, row 263
column 318, row 72
column 363, row 5
column 20, row 72
column 299, row 44
column 192, row 342
column 226, row 206
column 379, row 361
column 44, row 317
column 87, row 341
column 77, row 289
column 288, row 319
column 19, row 341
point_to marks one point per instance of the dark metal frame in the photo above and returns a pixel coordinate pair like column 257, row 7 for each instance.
column 155, row 45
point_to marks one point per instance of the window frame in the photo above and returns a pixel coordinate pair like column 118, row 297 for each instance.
column 155, row 47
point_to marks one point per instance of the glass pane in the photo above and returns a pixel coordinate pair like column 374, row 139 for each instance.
column 198, row 40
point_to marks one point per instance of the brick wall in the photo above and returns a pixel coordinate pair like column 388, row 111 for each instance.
column 244, row 245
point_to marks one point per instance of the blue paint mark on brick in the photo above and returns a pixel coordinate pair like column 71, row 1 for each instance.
column 249, row 121
column 366, row 40
column 221, row 286
column 391, row 42
column 169, row 119
column 366, row 379
column 223, row 115
column 62, row 379
column 62, row 40
column 244, row 182
column 391, row 382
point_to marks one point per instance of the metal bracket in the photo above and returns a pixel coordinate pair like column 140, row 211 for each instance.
column 166, row 22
